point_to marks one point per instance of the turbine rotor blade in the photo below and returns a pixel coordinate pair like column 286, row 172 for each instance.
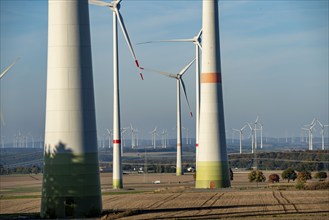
column 8, row 68
column 320, row 123
column 199, row 34
column 100, row 3
column 184, row 90
column 313, row 121
column 161, row 41
column 125, row 34
column 161, row 72
column 177, row 40
column 186, row 68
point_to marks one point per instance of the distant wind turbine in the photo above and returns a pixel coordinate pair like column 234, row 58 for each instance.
column 241, row 136
column 261, row 136
column 117, row 167
column 154, row 133
column 2, row 120
column 196, row 40
column 178, row 77
column 110, row 133
column 253, row 134
column 310, row 133
column 134, row 136
column 322, row 132
column 164, row 138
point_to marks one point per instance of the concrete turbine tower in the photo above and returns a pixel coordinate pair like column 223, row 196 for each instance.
column 117, row 181
column 71, row 183
column 212, row 164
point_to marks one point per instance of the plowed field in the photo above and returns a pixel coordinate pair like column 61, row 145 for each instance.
column 176, row 198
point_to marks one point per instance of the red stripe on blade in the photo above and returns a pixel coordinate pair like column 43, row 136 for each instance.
column 137, row 64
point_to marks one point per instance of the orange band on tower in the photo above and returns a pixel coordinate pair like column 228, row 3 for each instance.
column 211, row 78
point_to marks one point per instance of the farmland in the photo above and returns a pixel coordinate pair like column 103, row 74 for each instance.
column 176, row 198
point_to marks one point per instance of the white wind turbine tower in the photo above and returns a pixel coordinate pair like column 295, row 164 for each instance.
column 115, row 6
column 178, row 77
column 322, row 132
column 123, row 133
column 133, row 136
column 253, row 135
column 136, row 137
column 241, row 136
column 154, row 133
column 310, row 134
column 196, row 40
column 187, row 135
column 261, row 136
column 164, row 139
column 255, row 130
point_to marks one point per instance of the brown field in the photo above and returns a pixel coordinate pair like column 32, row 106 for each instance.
column 176, row 198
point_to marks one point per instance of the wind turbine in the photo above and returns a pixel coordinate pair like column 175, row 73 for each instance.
column 187, row 135
column 154, row 133
column 132, row 136
column 164, row 139
column 136, row 137
column 322, row 132
column 196, row 40
column 2, row 121
column 253, row 135
column 310, row 134
column 179, row 82
column 110, row 133
column 8, row 68
column 241, row 136
column 255, row 130
column 115, row 6
column 261, row 136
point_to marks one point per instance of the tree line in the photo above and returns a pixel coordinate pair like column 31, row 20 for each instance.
column 297, row 160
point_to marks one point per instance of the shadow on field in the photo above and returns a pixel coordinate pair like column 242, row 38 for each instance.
column 185, row 213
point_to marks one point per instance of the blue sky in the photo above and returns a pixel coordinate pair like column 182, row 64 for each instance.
column 274, row 57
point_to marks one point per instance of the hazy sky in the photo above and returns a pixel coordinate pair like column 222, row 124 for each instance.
column 274, row 58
